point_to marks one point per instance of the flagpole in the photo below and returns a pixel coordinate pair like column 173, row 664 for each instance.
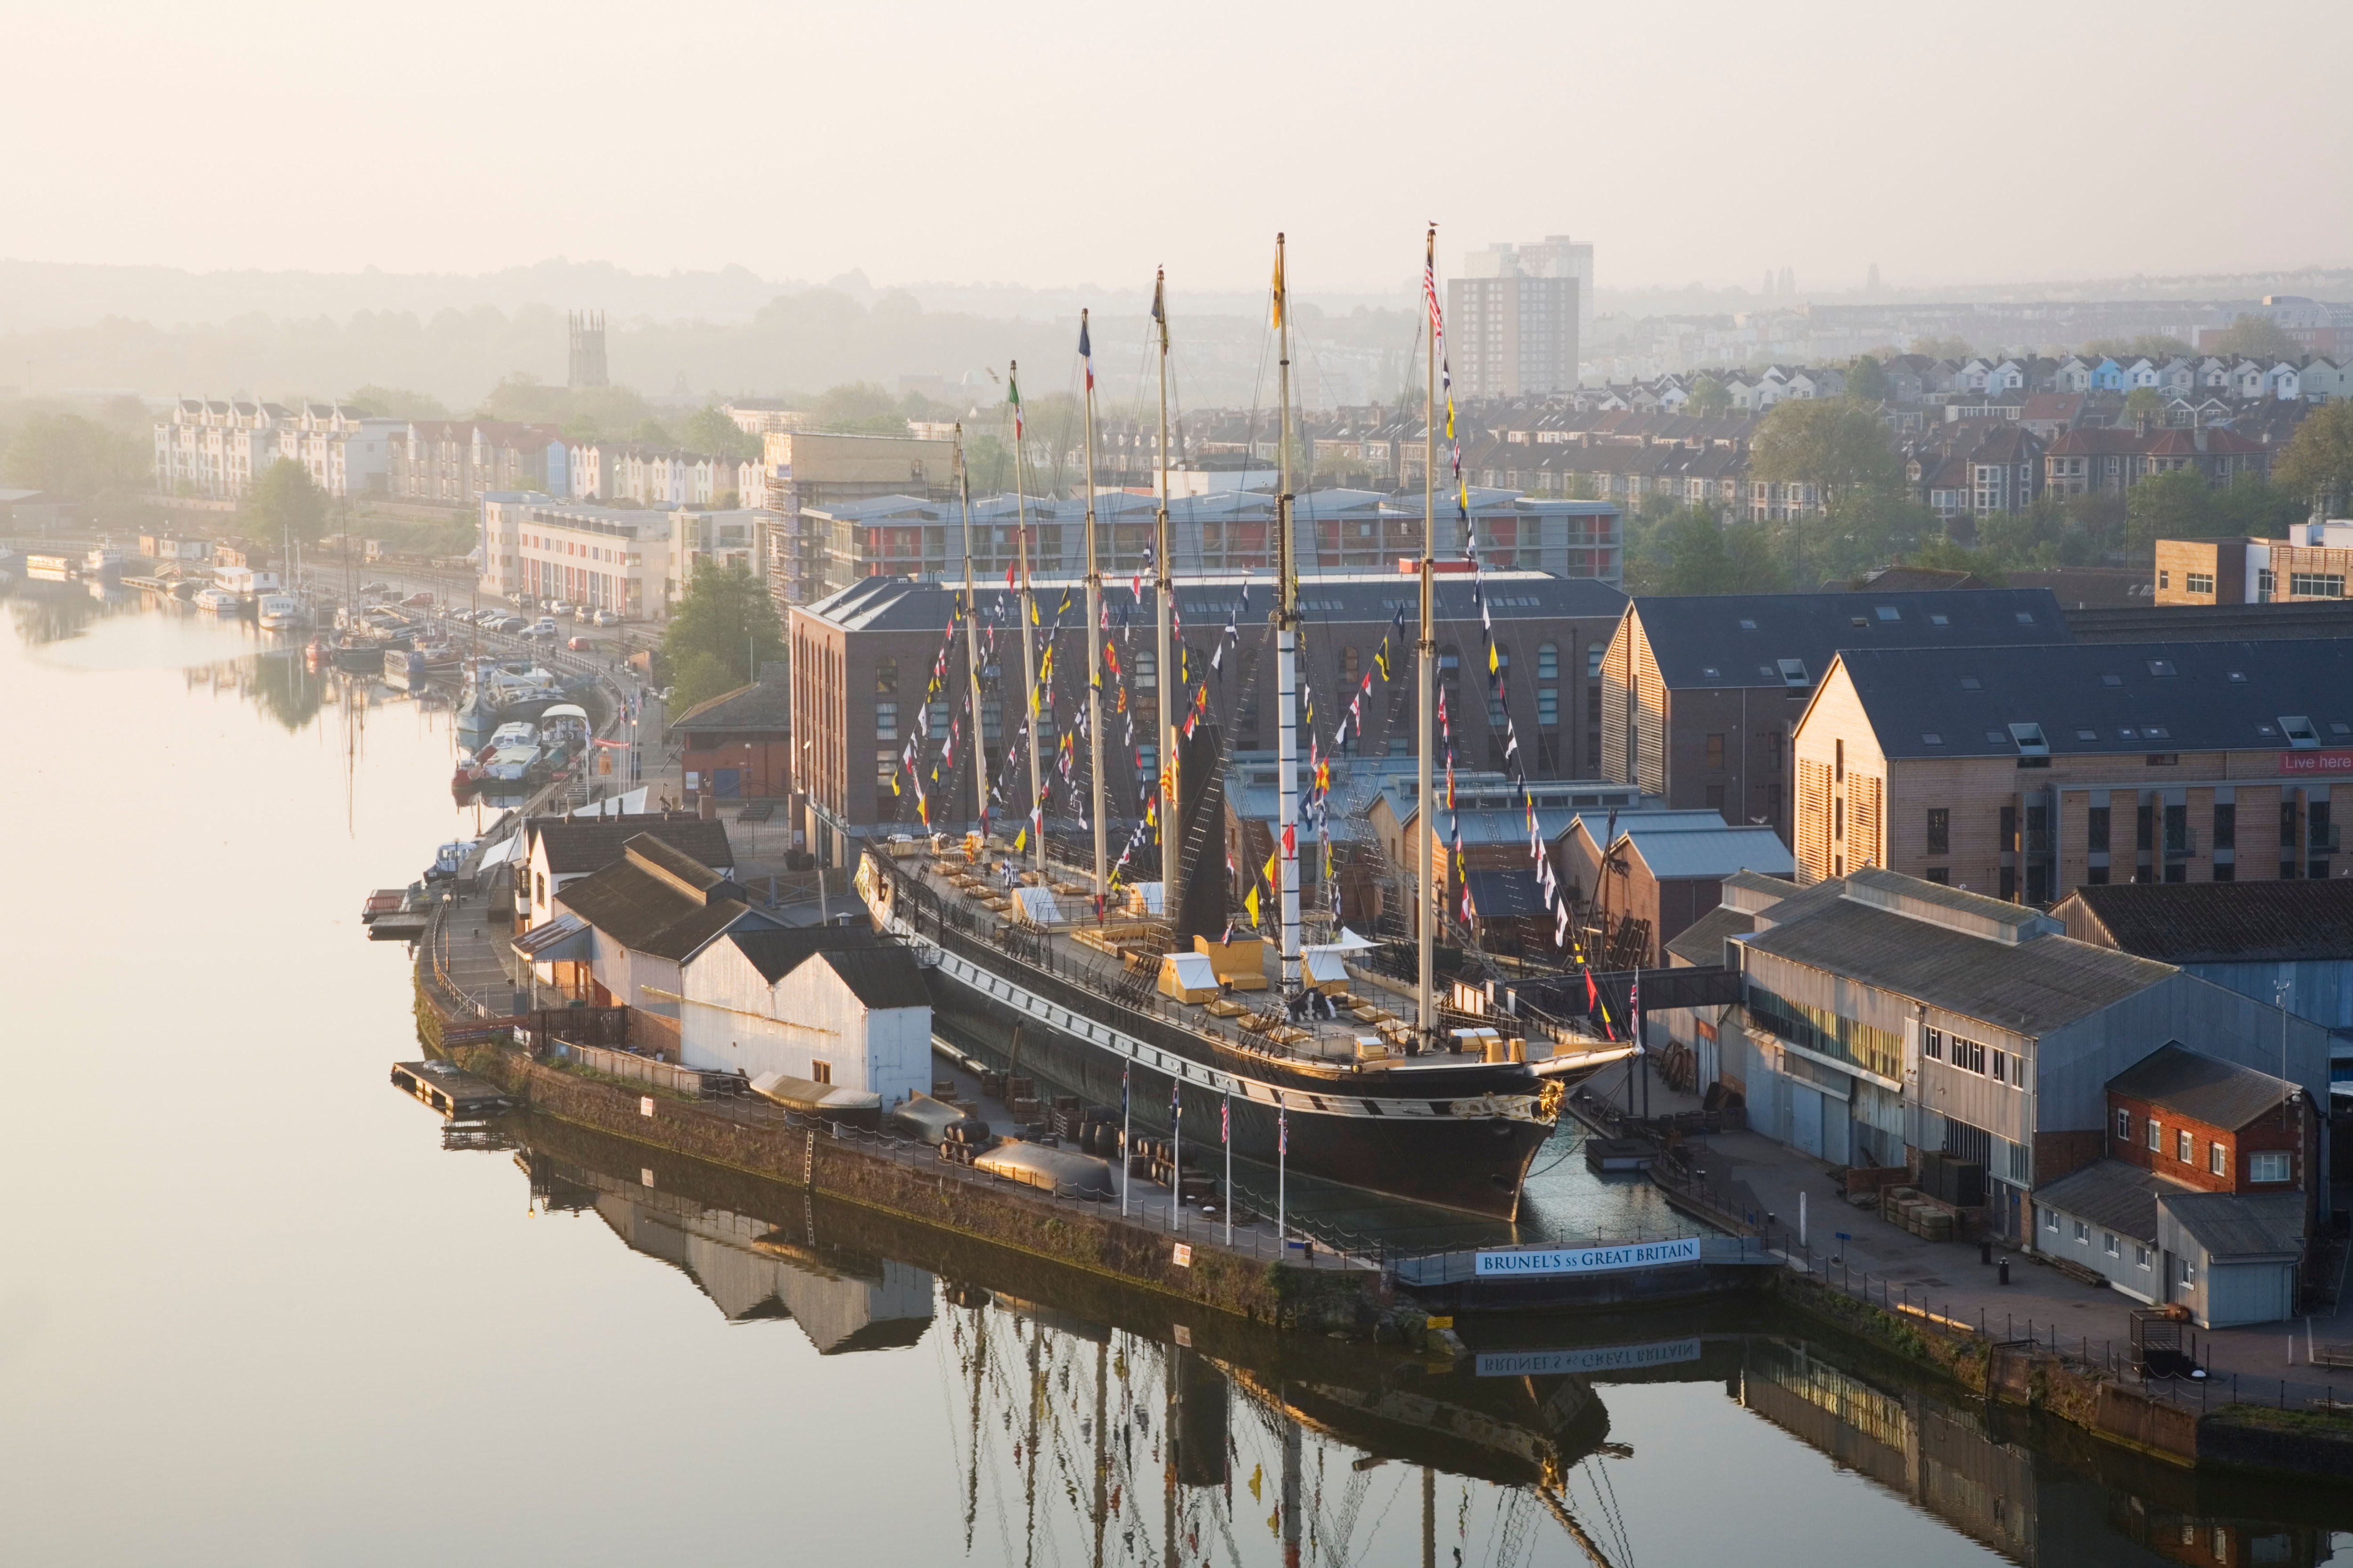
column 1094, row 630
column 1029, row 618
column 1176, row 1156
column 1281, row 1177
column 1165, row 597
column 1286, row 646
column 1226, row 1128
column 972, row 648
column 1126, row 1123
column 1426, row 672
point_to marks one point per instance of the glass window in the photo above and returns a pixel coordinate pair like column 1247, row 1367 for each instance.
column 937, row 714
column 2140, row 1256
column 2050, row 1219
column 1932, row 1044
column 886, row 720
column 1940, row 830
column 886, row 675
column 2184, row 1147
column 2123, row 1126
column 2108, row 1243
column 2083, row 1233
column 2156, row 1137
column 1547, row 661
column 2218, row 1158
column 2268, row 1167
column 1147, row 669
column 1548, row 706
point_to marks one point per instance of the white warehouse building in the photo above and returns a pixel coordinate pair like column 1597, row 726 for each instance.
column 829, row 1003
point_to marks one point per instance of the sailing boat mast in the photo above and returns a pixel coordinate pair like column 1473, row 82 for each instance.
column 1425, row 665
column 1286, row 656
column 1028, row 616
column 1164, row 606
column 979, row 752
column 1094, row 625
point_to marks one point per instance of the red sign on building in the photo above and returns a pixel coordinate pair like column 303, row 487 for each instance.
column 2316, row 763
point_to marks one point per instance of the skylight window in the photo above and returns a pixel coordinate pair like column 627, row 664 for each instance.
column 1930, row 738
column 2087, row 734
column 1996, row 736
column 2025, row 617
column 1971, row 683
column 1747, row 626
column 1862, row 625
column 2338, row 727
column 2112, row 680
column 2265, row 730
column 2128, row 732
column 2156, row 732
column 2161, row 666
column 1890, row 612
column 2238, row 677
column 1940, row 620
column 1712, row 673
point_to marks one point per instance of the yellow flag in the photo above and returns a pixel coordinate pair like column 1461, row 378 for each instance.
column 1020, row 837
column 1250, row 903
column 1273, row 876
column 1494, row 662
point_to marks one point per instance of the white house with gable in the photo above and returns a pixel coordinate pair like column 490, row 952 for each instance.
column 826, row 1003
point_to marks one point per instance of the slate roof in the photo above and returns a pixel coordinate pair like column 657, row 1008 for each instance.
column 2033, row 987
column 2112, row 1195
column 2104, row 698
column 761, row 705
column 777, row 952
column 2241, row 1225
column 647, row 913
column 575, row 845
column 1717, row 640
column 2226, row 922
column 1671, row 855
column 2204, row 1089
column 884, row 976
column 901, row 603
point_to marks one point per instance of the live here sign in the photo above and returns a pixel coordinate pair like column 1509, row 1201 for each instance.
column 2323, row 763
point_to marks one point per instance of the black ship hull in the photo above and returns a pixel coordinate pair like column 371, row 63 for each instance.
column 1453, row 1133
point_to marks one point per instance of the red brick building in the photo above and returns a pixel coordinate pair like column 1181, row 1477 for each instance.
column 2214, row 1126
column 739, row 744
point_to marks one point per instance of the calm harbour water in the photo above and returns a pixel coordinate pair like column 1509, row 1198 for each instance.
column 252, row 1310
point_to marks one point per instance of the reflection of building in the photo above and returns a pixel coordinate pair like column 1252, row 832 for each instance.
column 751, row 1271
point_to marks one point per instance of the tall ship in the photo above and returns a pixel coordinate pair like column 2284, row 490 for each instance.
column 1150, row 994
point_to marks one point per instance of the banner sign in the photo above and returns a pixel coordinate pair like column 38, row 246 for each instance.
column 2315, row 763
column 1530, row 1262
column 1589, row 1360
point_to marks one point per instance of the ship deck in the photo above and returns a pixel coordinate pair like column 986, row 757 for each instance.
column 1117, row 950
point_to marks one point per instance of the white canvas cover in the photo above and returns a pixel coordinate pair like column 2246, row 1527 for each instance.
column 1325, row 967
column 1188, row 976
column 1037, row 906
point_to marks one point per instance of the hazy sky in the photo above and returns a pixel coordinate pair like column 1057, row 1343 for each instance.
column 1055, row 145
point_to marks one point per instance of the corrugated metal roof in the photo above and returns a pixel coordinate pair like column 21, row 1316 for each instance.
column 1671, row 853
column 2241, row 1225
column 2218, row 1093
column 2033, row 987
column 2225, row 922
column 2110, row 1194
column 1701, row 943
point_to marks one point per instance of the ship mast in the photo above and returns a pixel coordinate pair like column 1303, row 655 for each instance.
column 1164, row 606
column 1026, row 612
column 1425, row 667
column 979, row 752
column 1286, row 656
column 1094, row 626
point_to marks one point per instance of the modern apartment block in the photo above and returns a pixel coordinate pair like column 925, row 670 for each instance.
column 2311, row 562
column 220, row 447
column 1701, row 694
column 552, row 548
column 2027, row 772
column 1515, row 316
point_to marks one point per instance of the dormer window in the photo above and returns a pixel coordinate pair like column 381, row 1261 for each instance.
column 1793, row 673
column 2299, row 731
column 2029, row 739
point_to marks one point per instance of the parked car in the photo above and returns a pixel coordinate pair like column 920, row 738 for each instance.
column 511, row 624
column 419, row 600
column 583, row 614
column 377, row 591
column 581, row 644
column 605, row 618
column 561, row 607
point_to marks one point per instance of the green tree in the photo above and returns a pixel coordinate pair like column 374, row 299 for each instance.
column 1946, row 553
column 2255, row 337
column 2176, row 505
column 1828, row 444
column 1943, row 348
column 723, row 630
column 708, row 429
column 1709, row 398
column 2317, row 464
column 397, row 403
column 1866, row 380
column 860, row 408
column 71, row 456
column 287, row 503
column 2144, row 402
